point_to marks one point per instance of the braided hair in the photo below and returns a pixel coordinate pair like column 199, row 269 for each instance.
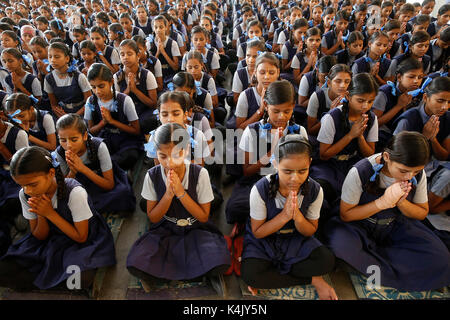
column 73, row 120
column 298, row 23
column 64, row 48
column 289, row 145
column 37, row 160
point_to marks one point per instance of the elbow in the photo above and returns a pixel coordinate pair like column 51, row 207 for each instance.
column 324, row 157
column 81, row 238
column 109, row 186
column 344, row 217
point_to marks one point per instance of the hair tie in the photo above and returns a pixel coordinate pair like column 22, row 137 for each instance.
column 263, row 130
column 268, row 46
column 90, row 106
column 344, row 100
column 443, row 74
column 100, row 53
column 33, row 99
column 156, row 112
column 191, row 134
column 345, row 38
column 369, row 59
column 377, row 168
column 150, row 38
column 15, row 113
column 26, row 58
column 120, row 33
column 150, row 148
column 393, row 88
column 416, row 92
column 170, row 86
column 198, row 85
column 293, row 128
column 207, row 113
column 310, row 23
column 413, row 181
column 208, row 46
column 73, row 66
column 115, row 106
column 326, row 82
column 405, row 43
column 53, row 160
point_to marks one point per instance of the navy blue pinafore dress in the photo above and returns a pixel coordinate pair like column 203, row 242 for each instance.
column 70, row 97
column 49, row 258
column 410, row 256
column 287, row 246
column 120, row 198
column 170, row 251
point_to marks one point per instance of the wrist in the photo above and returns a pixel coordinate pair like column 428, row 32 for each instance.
column 179, row 196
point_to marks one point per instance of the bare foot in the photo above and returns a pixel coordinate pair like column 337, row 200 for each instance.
column 253, row 291
column 325, row 291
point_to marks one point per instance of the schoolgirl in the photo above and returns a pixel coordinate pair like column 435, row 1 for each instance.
column 353, row 50
column 305, row 60
column 333, row 40
column 148, row 61
column 105, row 53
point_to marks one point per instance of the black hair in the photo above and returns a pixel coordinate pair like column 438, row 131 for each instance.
column 407, row 7
column 443, row 9
column 298, row 23
column 425, row 2
column 103, row 16
column 88, row 44
column 279, row 92
column 195, row 55
column 386, row 4
column 57, row 25
column 199, row 29
column 175, row 96
column 35, row 160
column 39, row 41
column 391, row 25
column 18, row 100
column 268, row 57
column 18, row 55
column 337, row 68
column 421, row 19
column 118, row 29
column 184, row 79
column 73, row 120
column 291, row 144
column 342, row 15
column 256, row 43
column 80, row 30
column 98, row 30
column 444, row 35
column 100, row 71
column 57, row 45
column 407, row 65
column 437, row 85
column 42, row 19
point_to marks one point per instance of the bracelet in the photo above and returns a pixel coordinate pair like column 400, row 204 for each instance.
column 182, row 195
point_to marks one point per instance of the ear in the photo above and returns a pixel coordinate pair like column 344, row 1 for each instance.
column 425, row 98
column 386, row 157
column 52, row 173
column 85, row 136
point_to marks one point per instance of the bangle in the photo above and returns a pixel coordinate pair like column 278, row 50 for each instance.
column 182, row 195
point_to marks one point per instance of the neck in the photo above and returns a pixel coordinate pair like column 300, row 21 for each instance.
column 331, row 94
column 63, row 69
column 134, row 69
column 51, row 191
column 401, row 87
column 353, row 115
column 428, row 111
column 20, row 72
column 373, row 56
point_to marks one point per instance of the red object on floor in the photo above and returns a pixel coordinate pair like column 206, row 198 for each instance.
column 229, row 244
column 238, row 245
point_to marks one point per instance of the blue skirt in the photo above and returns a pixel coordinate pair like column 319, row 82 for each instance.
column 410, row 256
column 9, row 189
column 333, row 171
column 168, row 251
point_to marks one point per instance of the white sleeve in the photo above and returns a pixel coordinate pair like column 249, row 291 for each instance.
column 36, row 88
column 104, row 157
column 208, row 102
column 295, row 63
column 158, row 69
column 372, row 136
column 62, row 164
column 215, row 62
column 313, row 105
column 47, row 87
column 212, row 87
column 237, row 84
column 421, row 195
column 303, row 89
column 204, row 189
column 201, row 149
column 206, row 128
column 151, row 83
column 175, row 49
column 84, row 83
column 183, row 62
column 48, row 124
column 352, row 187
column 246, row 142
column 327, row 130
column 78, row 204
column 25, row 207
column 380, row 101
column 284, row 52
column 313, row 212
column 148, row 189
column 115, row 59
column 129, row 109
column 281, row 38
column 258, row 209
column 240, row 52
column 21, row 140
column 242, row 106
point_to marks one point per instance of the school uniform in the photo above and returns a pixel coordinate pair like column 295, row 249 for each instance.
column 29, row 81
column 135, row 31
column 241, row 80
column 248, row 103
column 172, row 50
column 344, row 57
column 49, row 258
column 68, row 91
column 153, row 65
column 44, row 125
column 3, row 74
column 147, row 28
column 145, row 81
column 426, row 62
column 287, row 246
column 210, row 59
column 365, row 63
column 111, row 55
column 410, row 256
column 438, row 56
column 331, row 131
column 120, row 198
column 254, row 137
column 179, row 247
column 44, row 103
column 117, row 141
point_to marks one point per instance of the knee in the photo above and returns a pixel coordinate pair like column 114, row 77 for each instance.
column 323, row 259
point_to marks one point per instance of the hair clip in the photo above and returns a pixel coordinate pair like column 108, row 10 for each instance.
column 416, row 92
column 198, row 86
column 11, row 116
column 393, row 88
column 54, row 159
column 170, row 86
column 293, row 128
column 377, row 168
column 26, row 58
column 344, row 100
column 263, row 130
column 156, row 112
column 150, row 148
column 33, row 99
column 120, row 33
column 260, row 52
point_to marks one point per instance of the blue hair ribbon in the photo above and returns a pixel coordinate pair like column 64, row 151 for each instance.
column 198, row 85
column 260, row 52
column 405, row 43
column 149, row 61
column 170, row 86
column 120, row 33
column 303, row 38
column 150, row 38
column 344, row 100
column 310, row 23
column 364, row 28
column 345, row 38
column 293, row 128
column 11, row 116
column 115, row 106
column 33, row 99
column 326, row 83
column 100, row 53
column 393, row 87
column 90, row 106
column 191, row 134
column 263, row 130
column 208, row 46
column 150, row 148
column 207, row 113
column 26, row 58
column 73, row 66
column 443, row 74
column 54, row 160
column 279, row 56
column 377, row 168
column 369, row 59
column 156, row 111
column 45, row 61
column 268, row 46
column 413, row 181
column 416, row 92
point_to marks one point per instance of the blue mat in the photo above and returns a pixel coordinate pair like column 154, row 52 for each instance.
column 386, row 293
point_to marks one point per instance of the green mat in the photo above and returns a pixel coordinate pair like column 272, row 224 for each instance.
column 386, row 293
column 304, row 292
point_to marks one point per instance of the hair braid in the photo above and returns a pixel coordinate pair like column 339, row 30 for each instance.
column 60, row 180
column 274, row 185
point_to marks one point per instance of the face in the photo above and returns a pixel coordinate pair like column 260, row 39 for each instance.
column 57, row 58
column 293, row 171
column 347, row 8
column 159, row 27
column 339, row 84
column 27, row 36
column 101, row 23
column 98, row 40
column 411, row 80
column 254, row 31
column 393, row 34
column 170, row 156
column 296, row 14
column 96, row 7
column 126, row 24
column 76, row 20
column 428, row 8
column 39, row 52
column 386, row 11
column 361, row 103
column 300, row 33
column 266, row 73
column 317, row 14
column 206, row 24
column 250, row 57
column 36, row 184
column 71, row 139
column 199, row 41
column 194, row 67
column 171, row 112
column 444, row 18
column 356, row 47
column 420, row 27
column 87, row 55
column 405, row 17
column 379, row 46
column 78, row 37
column 128, row 56
column 142, row 52
column 10, row 62
column 341, row 25
column 8, row 42
column 360, row 16
column 437, row 103
column 25, row 116
column 313, row 42
column 112, row 35
column 246, row 16
column 419, row 49
column 141, row 14
column 328, row 19
column 399, row 171
column 280, row 114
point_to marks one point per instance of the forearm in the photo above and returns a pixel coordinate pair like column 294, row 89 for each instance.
column 358, row 213
column 438, row 150
column 5, row 153
column 41, row 229
column 124, row 127
column 172, row 62
column 366, row 149
column 270, row 227
column 252, row 169
column 386, row 117
column 255, row 117
column 158, row 212
column 44, row 144
column 96, row 128
column 100, row 181
column 145, row 99
column 304, row 226
column 412, row 210
column 67, row 228
column 334, row 149
column 193, row 208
